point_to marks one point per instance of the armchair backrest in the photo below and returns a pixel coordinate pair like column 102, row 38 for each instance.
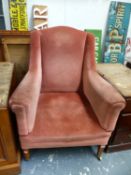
column 62, row 53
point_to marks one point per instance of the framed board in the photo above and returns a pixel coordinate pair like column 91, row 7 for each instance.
column 116, row 32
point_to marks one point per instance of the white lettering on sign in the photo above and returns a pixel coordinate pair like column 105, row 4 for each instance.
column 40, row 17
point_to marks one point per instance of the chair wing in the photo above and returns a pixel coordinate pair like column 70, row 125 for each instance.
column 25, row 98
column 106, row 101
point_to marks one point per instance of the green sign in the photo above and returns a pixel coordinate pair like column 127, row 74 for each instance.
column 97, row 34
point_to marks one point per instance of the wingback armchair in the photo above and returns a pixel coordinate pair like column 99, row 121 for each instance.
column 62, row 101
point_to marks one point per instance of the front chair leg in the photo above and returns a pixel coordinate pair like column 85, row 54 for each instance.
column 26, row 154
column 100, row 151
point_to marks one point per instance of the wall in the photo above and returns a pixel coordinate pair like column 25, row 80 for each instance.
column 81, row 14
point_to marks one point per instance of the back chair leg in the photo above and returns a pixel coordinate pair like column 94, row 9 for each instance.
column 26, row 154
column 100, row 151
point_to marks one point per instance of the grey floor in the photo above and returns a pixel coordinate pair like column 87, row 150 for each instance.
column 76, row 161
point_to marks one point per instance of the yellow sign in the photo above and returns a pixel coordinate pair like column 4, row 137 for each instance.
column 18, row 15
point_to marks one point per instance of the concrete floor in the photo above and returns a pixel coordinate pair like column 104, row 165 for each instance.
column 76, row 161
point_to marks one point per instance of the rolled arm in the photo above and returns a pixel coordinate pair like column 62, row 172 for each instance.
column 105, row 100
column 24, row 100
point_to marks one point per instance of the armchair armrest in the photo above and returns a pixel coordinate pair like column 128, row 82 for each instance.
column 23, row 101
column 105, row 100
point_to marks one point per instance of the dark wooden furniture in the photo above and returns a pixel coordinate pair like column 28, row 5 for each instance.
column 120, row 77
column 9, row 156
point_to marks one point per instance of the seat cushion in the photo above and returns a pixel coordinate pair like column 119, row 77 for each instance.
column 64, row 118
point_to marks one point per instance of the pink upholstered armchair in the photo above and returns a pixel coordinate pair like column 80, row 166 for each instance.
column 62, row 101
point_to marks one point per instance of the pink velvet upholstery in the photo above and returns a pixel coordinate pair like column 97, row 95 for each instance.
column 62, row 59
column 25, row 98
column 62, row 101
column 63, row 127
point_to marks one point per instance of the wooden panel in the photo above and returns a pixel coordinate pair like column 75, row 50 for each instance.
column 7, row 137
column 1, row 53
column 11, row 169
column 19, row 40
column 118, row 147
column 1, row 151
column 2, row 155
column 128, row 106
column 15, row 48
column 19, row 54
column 121, row 137
column 9, row 33
column 124, row 122
column 123, row 130
column 9, row 159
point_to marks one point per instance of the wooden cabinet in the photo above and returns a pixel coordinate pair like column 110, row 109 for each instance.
column 120, row 77
column 121, row 138
column 9, row 156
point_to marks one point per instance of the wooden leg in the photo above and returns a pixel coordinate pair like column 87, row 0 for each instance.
column 26, row 154
column 100, row 151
